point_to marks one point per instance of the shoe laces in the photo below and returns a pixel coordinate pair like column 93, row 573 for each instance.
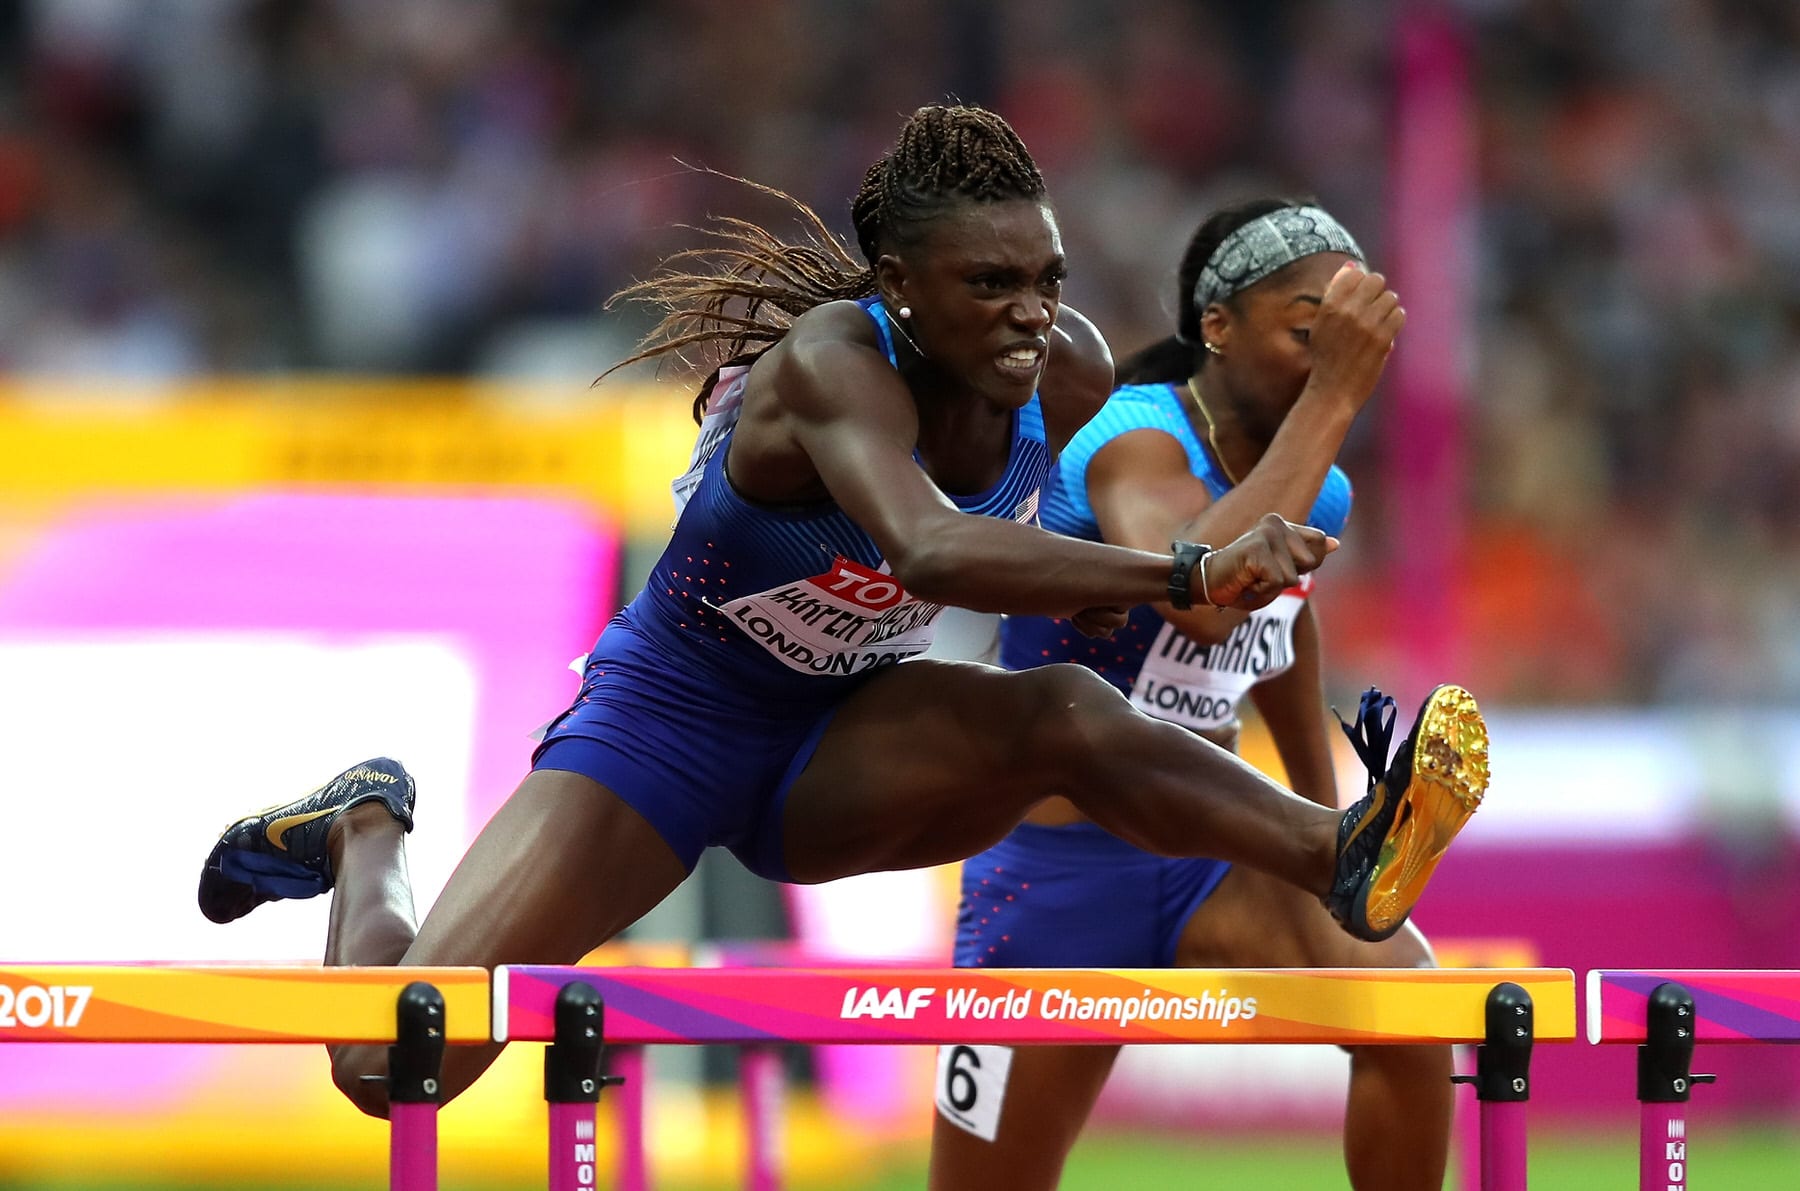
column 1372, row 732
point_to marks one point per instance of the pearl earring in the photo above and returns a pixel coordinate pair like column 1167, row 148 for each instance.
column 1213, row 348
column 906, row 312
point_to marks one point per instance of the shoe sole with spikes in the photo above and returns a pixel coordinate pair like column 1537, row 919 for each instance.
column 1443, row 764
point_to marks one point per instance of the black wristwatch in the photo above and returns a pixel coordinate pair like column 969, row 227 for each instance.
column 1181, row 575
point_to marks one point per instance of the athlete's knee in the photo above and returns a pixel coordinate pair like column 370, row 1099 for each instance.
column 360, row 1073
column 1074, row 715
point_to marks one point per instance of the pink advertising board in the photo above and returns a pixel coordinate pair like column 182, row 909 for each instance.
column 167, row 665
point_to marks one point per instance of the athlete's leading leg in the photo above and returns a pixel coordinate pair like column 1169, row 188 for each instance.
column 933, row 761
column 1398, row 1113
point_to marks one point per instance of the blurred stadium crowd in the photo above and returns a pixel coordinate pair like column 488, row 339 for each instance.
column 245, row 186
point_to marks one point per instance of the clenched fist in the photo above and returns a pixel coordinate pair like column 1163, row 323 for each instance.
column 1260, row 565
column 1354, row 332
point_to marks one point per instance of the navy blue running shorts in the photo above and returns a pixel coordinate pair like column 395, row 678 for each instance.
column 704, row 768
column 1076, row 897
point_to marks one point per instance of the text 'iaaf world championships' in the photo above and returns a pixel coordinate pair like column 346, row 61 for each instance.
column 1056, row 1004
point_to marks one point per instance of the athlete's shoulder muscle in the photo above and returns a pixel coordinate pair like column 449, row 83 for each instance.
column 822, row 363
column 826, row 380
column 1077, row 376
column 842, row 410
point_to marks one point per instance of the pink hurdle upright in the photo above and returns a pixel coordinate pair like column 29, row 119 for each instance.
column 415, row 1063
column 572, row 1083
column 1502, row 1082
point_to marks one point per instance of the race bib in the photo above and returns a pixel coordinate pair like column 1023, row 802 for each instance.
column 971, row 1086
column 1200, row 686
column 845, row 621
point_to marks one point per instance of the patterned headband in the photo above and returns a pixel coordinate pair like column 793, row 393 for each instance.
column 1264, row 245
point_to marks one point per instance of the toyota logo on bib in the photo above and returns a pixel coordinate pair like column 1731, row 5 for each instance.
column 867, row 588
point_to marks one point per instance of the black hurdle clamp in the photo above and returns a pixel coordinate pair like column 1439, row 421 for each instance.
column 572, row 1061
column 1503, row 1061
column 416, row 1059
column 1665, row 1058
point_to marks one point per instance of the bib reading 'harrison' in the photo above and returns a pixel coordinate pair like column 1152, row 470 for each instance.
column 1200, row 686
column 784, row 599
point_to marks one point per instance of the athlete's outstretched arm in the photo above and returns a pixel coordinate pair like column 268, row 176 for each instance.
column 855, row 420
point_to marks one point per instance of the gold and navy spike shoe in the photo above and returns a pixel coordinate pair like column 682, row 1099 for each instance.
column 281, row 852
column 1391, row 839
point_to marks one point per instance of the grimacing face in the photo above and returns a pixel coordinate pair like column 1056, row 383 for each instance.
column 1265, row 334
column 984, row 285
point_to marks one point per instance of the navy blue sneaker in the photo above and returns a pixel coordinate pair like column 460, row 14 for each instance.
column 1392, row 838
column 280, row 852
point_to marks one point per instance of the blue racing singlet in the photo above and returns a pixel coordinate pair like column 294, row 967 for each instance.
column 1163, row 672
column 793, row 601
column 1073, row 896
column 706, row 697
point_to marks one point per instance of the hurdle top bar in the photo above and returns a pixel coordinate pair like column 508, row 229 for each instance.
column 1037, row 1005
column 227, row 1003
column 1730, row 1005
column 1456, row 951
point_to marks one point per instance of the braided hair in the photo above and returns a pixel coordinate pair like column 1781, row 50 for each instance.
column 738, row 295
column 944, row 155
column 1184, row 353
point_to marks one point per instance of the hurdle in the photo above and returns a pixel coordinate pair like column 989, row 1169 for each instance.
column 760, row 1082
column 1666, row 1013
column 416, row 1011
column 1502, row 1010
